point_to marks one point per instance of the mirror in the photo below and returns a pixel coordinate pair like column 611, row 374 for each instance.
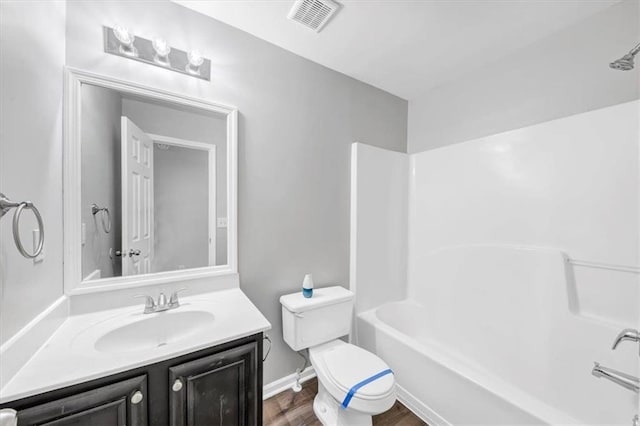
column 154, row 174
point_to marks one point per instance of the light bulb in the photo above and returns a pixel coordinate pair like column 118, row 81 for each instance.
column 162, row 49
column 195, row 61
column 126, row 39
column 123, row 35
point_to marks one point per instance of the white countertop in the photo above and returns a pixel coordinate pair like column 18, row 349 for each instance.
column 69, row 356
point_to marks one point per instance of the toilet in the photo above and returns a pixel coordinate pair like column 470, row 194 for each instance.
column 353, row 384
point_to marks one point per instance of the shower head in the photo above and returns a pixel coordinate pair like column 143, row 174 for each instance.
column 626, row 62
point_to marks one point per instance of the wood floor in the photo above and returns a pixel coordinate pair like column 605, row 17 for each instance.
column 296, row 409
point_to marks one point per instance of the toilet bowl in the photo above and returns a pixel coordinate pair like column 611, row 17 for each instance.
column 353, row 383
column 339, row 366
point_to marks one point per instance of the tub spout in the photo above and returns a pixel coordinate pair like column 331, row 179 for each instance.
column 625, row 380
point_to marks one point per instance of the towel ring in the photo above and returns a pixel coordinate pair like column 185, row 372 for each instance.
column 6, row 205
column 106, row 226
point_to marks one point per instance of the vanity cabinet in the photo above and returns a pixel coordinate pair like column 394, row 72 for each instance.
column 219, row 389
column 116, row 404
column 221, row 385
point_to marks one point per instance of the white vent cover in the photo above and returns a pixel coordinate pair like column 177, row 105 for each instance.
column 313, row 14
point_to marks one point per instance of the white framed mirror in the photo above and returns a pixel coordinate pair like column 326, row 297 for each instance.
column 150, row 185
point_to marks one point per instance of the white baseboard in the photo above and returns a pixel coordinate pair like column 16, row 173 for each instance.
column 284, row 383
column 16, row 351
column 418, row 408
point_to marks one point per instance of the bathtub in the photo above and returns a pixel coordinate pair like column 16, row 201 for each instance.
column 439, row 385
column 504, row 355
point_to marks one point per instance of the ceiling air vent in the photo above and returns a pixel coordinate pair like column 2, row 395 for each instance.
column 313, row 14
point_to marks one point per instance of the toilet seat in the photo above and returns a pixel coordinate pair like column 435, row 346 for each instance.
column 348, row 365
column 341, row 365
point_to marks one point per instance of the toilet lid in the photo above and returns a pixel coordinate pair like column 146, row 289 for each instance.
column 348, row 365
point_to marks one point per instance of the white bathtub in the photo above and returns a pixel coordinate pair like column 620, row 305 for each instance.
column 493, row 354
column 441, row 386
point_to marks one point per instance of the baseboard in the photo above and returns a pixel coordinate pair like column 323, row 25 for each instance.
column 284, row 383
column 16, row 351
column 418, row 408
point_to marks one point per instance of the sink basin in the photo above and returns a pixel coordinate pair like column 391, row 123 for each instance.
column 157, row 330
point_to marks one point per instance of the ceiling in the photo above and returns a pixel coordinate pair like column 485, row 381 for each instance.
column 401, row 46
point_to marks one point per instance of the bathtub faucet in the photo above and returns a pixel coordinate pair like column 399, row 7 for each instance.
column 623, row 379
column 627, row 334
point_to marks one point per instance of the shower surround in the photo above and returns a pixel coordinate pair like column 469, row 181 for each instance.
column 522, row 267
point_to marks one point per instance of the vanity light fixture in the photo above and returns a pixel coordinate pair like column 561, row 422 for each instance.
column 120, row 41
column 162, row 50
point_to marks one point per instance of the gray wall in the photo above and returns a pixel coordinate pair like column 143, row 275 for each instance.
column 101, row 176
column 181, row 203
column 32, row 47
column 297, row 121
column 564, row 74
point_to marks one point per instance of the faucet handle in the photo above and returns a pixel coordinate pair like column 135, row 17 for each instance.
column 626, row 334
column 173, row 301
column 162, row 300
column 149, row 304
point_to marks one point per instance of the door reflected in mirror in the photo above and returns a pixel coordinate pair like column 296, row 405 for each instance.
column 153, row 185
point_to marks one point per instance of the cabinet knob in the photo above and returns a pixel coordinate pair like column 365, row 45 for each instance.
column 8, row 417
column 177, row 385
column 137, row 397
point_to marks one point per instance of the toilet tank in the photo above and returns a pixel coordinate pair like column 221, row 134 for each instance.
column 319, row 319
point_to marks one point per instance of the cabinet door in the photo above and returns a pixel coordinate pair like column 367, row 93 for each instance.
column 219, row 389
column 119, row 404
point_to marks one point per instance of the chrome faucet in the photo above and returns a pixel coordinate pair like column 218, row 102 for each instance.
column 627, row 334
column 150, row 306
column 623, row 379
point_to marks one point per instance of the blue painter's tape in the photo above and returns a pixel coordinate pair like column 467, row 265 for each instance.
column 354, row 388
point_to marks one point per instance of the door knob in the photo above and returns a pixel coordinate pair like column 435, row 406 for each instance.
column 115, row 253
column 133, row 252
column 177, row 385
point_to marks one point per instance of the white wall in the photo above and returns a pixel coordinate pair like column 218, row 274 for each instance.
column 569, row 184
column 101, row 176
column 564, row 74
column 33, row 50
column 297, row 122
column 379, row 216
column 181, row 203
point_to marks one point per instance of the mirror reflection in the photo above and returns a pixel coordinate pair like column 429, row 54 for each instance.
column 154, row 180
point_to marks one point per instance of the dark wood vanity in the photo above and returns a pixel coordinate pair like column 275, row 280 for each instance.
column 221, row 385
